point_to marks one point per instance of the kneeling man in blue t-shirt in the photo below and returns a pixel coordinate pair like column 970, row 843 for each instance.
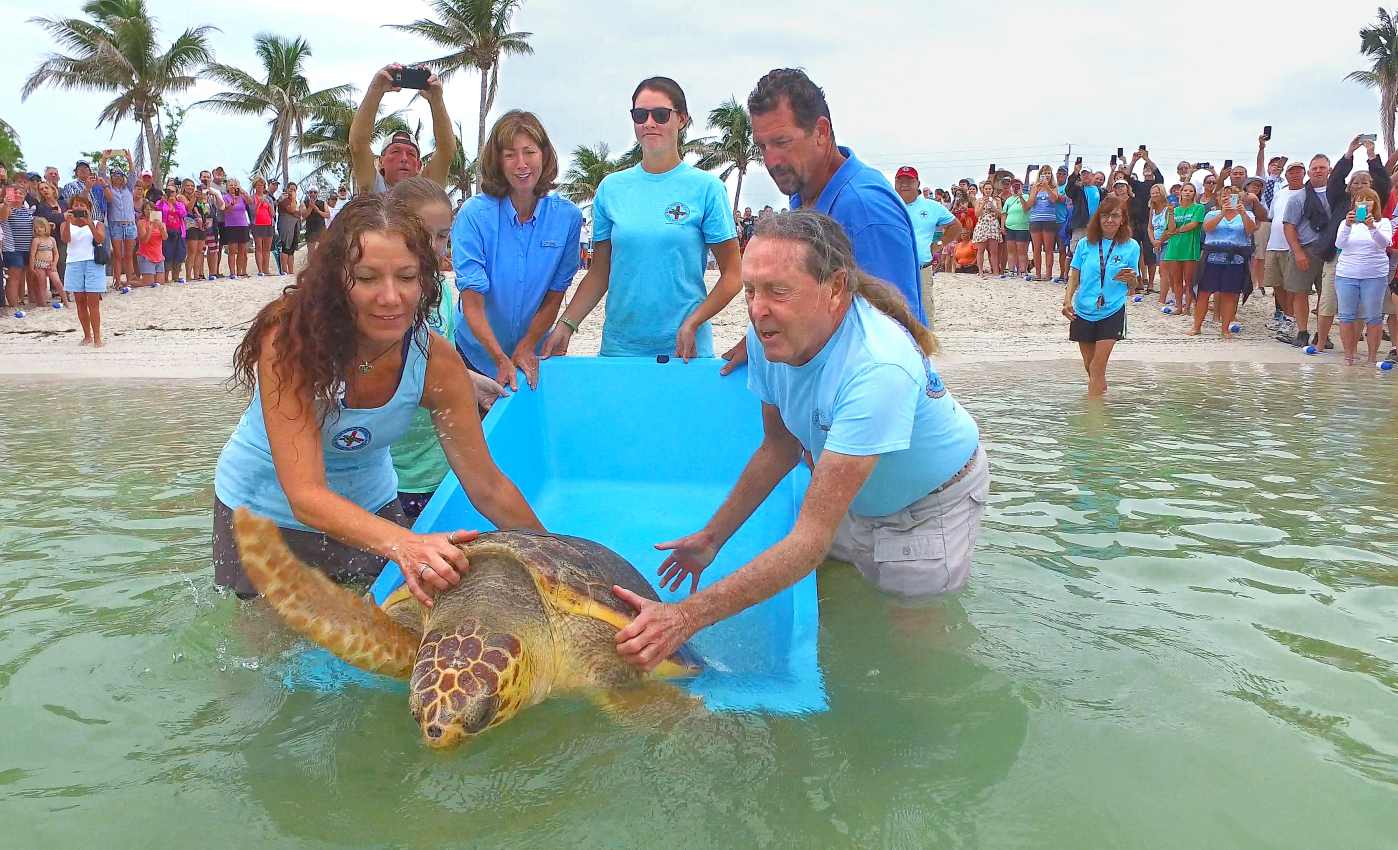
column 841, row 366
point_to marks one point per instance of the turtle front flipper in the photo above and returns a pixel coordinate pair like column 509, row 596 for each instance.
column 318, row 608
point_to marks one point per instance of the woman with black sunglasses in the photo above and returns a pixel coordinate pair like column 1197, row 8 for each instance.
column 653, row 226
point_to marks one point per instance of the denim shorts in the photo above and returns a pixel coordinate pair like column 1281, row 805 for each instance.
column 84, row 276
column 1360, row 299
column 144, row 266
column 925, row 549
column 122, row 230
column 16, row 259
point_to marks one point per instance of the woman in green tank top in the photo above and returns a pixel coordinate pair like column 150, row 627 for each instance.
column 1182, row 240
column 1017, row 229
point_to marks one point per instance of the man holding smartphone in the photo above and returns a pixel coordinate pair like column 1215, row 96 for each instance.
column 1340, row 190
column 400, row 157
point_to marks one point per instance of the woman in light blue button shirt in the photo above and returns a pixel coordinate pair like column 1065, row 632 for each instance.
column 514, row 249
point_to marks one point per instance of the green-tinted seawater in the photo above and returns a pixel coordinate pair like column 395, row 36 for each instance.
column 1181, row 631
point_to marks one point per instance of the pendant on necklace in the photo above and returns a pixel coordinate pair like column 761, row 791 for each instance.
column 365, row 367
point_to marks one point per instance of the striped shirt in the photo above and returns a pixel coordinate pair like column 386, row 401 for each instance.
column 19, row 230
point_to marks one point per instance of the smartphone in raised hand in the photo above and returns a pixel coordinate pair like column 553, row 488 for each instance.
column 1227, row 164
column 1267, row 133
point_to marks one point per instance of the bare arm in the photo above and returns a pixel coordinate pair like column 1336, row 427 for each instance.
column 1261, row 156
column 361, row 130
column 777, row 455
column 834, row 485
column 730, row 281
column 589, row 294
column 451, row 397
column 444, row 140
column 473, row 311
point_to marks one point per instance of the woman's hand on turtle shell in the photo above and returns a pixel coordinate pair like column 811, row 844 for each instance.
column 688, row 557
column 657, row 633
column 431, row 561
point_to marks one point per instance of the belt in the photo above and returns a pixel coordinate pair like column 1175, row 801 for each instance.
column 960, row 473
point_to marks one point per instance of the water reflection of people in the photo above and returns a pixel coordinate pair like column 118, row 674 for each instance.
column 841, row 366
column 337, row 366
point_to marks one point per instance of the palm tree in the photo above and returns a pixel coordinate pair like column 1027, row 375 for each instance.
column 1379, row 42
column 733, row 148
column 478, row 33
column 589, row 166
column 284, row 93
column 115, row 51
column 325, row 143
column 461, row 176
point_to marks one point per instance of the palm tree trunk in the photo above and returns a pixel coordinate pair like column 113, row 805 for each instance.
column 485, row 107
column 286, row 155
column 1389, row 99
column 738, row 190
column 152, row 149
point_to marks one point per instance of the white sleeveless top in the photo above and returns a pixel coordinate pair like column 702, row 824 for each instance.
column 79, row 243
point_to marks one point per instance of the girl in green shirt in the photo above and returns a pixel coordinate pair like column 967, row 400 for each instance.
column 1182, row 241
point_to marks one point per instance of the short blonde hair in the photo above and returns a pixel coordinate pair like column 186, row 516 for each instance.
column 42, row 226
column 492, row 170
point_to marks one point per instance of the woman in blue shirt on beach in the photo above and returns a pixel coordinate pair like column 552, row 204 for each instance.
column 514, row 248
column 653, row 226
column 1103, row 272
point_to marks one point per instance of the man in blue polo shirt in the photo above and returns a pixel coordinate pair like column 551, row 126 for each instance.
column 933, row 226
column 791, row 126
column 899, row 481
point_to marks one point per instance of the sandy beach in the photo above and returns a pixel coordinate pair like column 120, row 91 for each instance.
column 190, row 330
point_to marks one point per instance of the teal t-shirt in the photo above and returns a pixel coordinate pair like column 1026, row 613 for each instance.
column 870, row 391
column 929, row 217
column 1089, row 259
column 418, row 457
column 660, row 227
column 1016, row 213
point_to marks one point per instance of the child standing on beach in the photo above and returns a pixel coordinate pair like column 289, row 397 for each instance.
column 43, row 261
column 150, row 245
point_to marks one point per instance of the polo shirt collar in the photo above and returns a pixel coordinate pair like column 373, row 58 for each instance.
column 837, row 183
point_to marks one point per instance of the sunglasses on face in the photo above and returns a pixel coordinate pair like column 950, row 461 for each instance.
column 661, row 114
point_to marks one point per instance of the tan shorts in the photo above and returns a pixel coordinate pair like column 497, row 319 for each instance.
column 1260, row 237
column 1299, row 282
column 924, row 549
column 1273, row 268
column 1329, row 302
column 928, row 304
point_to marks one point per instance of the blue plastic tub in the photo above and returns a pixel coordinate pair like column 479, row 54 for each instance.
column 630, row 452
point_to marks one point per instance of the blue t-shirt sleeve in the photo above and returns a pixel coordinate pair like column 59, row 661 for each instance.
column 944, row 216
column 1079, row 258
column 601, row 217
column 757, row 370
column 468, row 250
column 568, row 266
column 718, row 218
column 874, row 412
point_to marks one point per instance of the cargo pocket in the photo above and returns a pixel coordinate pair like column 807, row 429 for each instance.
column 911, row 563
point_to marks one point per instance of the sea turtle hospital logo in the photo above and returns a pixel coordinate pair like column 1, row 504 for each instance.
column 676, row 213
column 352, row 439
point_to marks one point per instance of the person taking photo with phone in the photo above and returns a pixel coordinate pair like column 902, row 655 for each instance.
column 1225, row 270
column 1340, row 186
column 400, row 158
column 1361, row 275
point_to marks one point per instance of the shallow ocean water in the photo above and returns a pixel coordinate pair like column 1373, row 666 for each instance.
column 1181, row 630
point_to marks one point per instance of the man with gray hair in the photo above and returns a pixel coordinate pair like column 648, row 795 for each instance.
column 899, row 480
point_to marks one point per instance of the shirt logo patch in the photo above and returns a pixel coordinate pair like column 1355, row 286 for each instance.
column 352, row 439
column 820, row 420
column 923, row 213
column 676, row 213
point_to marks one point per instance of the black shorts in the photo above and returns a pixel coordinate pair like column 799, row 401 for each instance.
column 1050, row 227
column 263, row 231
column 1016, row 235
column 236, row 235
column 1113, row 327
column 340, row 561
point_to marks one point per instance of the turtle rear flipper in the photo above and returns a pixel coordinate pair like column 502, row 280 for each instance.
column 318, row 608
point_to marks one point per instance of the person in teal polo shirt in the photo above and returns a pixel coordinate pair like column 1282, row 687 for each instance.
column 933, row 224
column 899, row 482
column 791, row 126
column 1103, row 272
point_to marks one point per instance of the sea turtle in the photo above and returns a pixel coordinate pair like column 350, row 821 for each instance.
column 533, row 614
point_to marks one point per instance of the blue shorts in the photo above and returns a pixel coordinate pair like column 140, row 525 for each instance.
column 122, row 230
column 84, row 276
column 144, row 266
column 1360, row 299
column 16, row 259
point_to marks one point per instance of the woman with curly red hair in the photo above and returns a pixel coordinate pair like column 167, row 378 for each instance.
column 336, row 366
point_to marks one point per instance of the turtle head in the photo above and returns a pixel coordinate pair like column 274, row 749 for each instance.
column 467, row 680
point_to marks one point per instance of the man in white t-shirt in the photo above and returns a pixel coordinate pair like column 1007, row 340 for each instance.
column 1277, row 247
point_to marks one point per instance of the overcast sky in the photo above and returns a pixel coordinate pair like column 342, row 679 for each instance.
column 929, row 83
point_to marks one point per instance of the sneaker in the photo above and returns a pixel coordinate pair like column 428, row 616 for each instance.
column 1298, row 339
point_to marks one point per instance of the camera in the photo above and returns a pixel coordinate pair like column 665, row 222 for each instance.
column 410, row 77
